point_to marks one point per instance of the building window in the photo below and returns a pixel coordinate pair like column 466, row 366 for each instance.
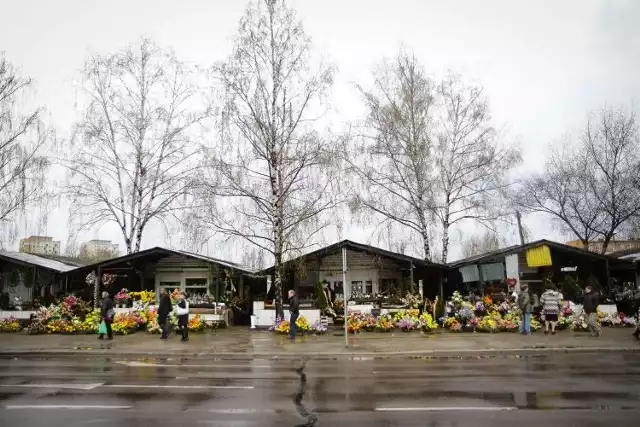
column 196, row 287
column 356, row 288
column 369, row 287
column 388, row 287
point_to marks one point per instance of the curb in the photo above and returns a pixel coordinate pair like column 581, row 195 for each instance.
column 434, row 354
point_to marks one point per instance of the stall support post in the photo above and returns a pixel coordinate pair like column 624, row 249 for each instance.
column 344, row 291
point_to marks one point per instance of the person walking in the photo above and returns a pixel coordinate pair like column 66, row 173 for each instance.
column 590, row 307
column 551, row 301
column 164, row 309
column 294, row 311
column 182, row 310
column 107, row 313
column 524, row 302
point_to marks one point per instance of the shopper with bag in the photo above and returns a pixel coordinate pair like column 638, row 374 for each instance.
column 107, row 313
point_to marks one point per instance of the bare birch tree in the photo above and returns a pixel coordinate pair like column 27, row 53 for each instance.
column 429, row 158
column 471, row 168
column 591, row 188
column 478, row 245
column 271, row 181
column 612, row 146
column 392, row 161
column 23, row 164
column 133, row 154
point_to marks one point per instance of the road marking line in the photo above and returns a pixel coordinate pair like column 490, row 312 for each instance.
column 67, row 407
column 61, row 386
column 135, row 364
column 241, row 411
column 195, row 387
column 449, row 408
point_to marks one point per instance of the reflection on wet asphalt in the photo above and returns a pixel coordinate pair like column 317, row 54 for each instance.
column 559, row 389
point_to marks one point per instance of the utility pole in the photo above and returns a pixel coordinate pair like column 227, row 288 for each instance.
column 520, row 229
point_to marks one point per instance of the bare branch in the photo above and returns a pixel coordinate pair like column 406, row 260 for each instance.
column 271, row 181
column 23, row 163
column 133, row 154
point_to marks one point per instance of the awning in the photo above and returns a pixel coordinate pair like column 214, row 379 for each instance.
column 470, row 273
column 492, row 271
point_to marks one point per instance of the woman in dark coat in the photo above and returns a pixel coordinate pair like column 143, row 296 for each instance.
column 164, row 308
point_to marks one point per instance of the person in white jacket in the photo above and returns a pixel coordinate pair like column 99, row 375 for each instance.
column 182, row 310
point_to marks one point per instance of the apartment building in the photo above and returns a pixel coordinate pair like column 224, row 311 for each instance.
column 99, row 248
column 42, row 245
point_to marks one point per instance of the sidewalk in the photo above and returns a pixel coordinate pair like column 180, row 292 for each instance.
column 242, row 343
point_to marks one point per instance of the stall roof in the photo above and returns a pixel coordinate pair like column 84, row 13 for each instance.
column 519, row 248
column 164, row 252
column 365, row 248
column 37, row 261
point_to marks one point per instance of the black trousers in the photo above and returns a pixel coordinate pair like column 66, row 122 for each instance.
column 163, row 322
column 183, row 323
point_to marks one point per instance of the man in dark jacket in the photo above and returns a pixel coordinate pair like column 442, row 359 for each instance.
column 526, row 307
column 294, row 310
column 164, row 308
column 590, row 306
column 107, row 314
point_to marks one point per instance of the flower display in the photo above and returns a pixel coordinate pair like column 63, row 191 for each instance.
column 455, row 326
column 354, row 323
column 407, row 324
column 9, row 324
column 426, row 322
column 196, row 324
column 283, row 327
column 318, row 327
column 384, row 324
column 369, row 323
column 145, row 297
column 122, row 297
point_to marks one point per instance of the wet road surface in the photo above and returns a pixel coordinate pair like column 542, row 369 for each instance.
column 556, row 389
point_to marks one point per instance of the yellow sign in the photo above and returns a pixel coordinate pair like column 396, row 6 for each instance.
column 539, row 256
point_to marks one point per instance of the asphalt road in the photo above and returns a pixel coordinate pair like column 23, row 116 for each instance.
column 558, row 389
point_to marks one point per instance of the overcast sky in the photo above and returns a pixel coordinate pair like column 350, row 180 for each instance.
column 543, row 64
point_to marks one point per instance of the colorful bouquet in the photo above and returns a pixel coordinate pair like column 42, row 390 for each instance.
column 145, row 297
column 384, row 324
column 407, row 324
column 354, row 323
column 369, row 323
column 122, row 297
column 319, row 328
column 455, row 326
column 426, row 322
column 9, row 324
column 196, row 323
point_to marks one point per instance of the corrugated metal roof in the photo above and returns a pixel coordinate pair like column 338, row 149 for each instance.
column 37, row 261
column 216, row 260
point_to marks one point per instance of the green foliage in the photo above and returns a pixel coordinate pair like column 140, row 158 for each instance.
column 321, row 297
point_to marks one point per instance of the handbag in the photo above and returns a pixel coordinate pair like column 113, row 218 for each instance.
column 102, row 329
column 111, row 313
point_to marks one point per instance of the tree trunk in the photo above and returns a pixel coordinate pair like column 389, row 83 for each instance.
column 445, row 228
column 445, row 240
